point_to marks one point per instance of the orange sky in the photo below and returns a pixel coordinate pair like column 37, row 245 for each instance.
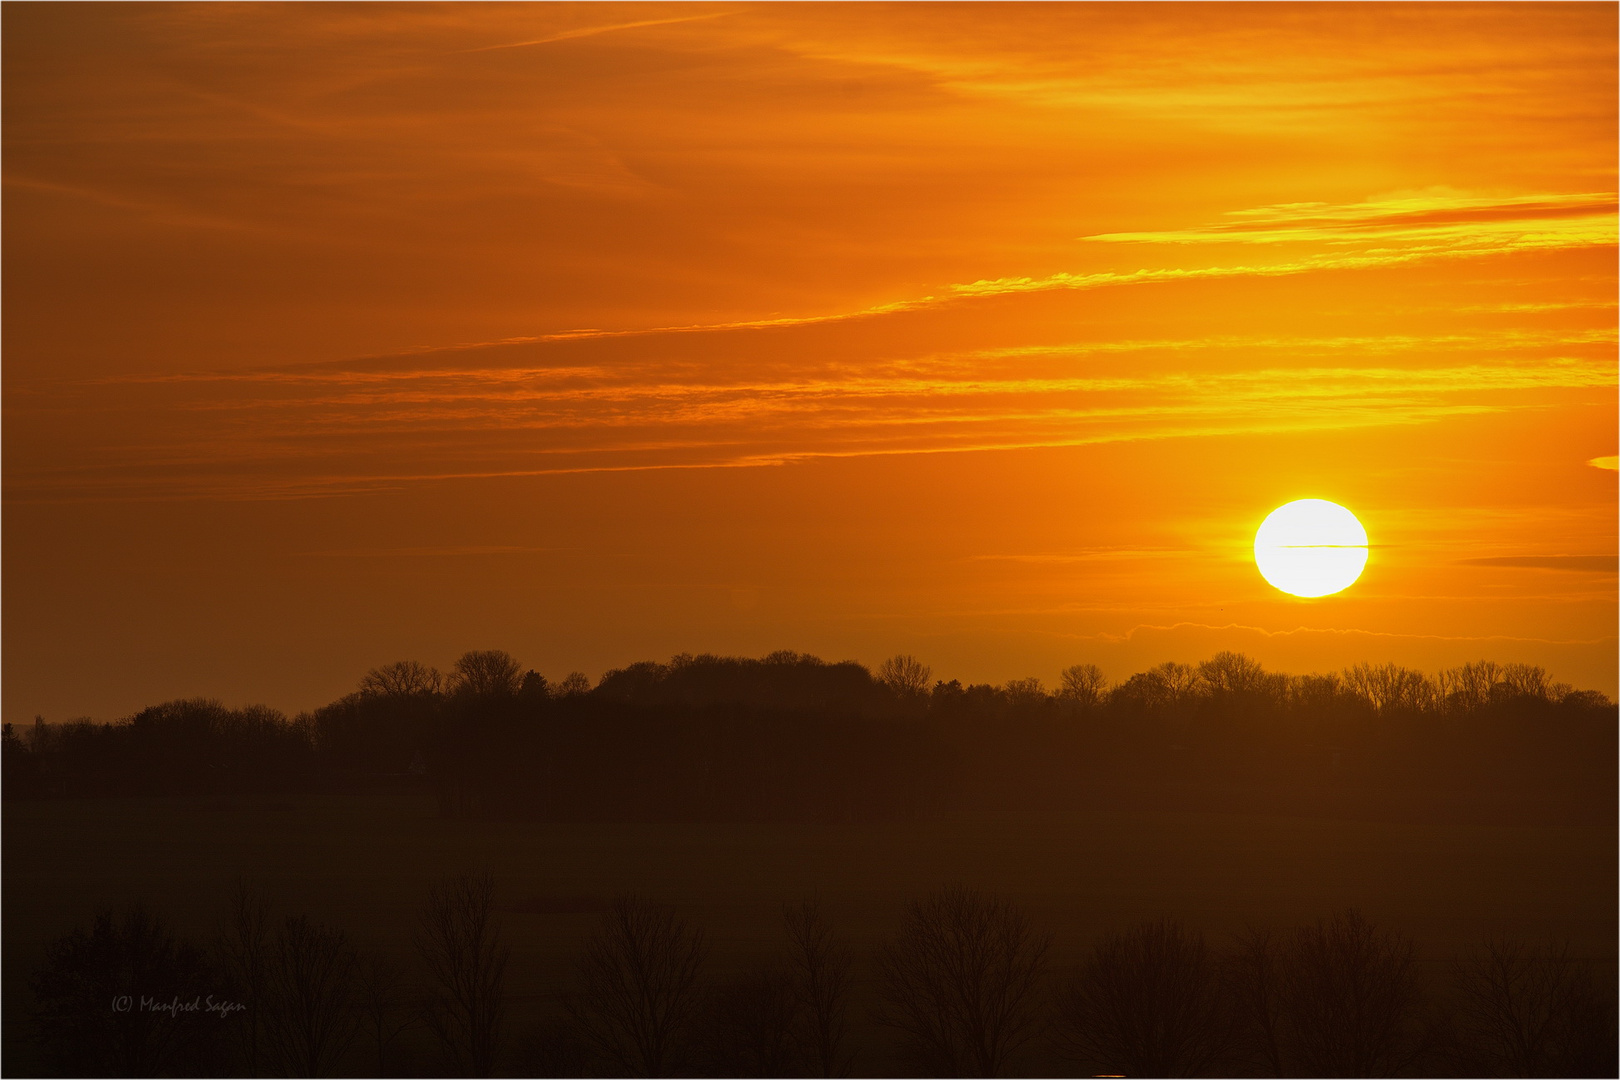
column 336, row 335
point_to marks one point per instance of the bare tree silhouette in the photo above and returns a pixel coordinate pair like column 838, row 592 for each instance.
column 1228, row 673
column 1591, row 1041
column 1253, row 985
column 1526, row 680
column 820, row 965
column 1389, row 686
column 244, row 946
column 1182, row 682
column 574, row 684
column 1168, row 686
column 638, row 987
column 383, row 1006
column 1148, row 1002
column 460, row 941
column 487, row 673
column 1337, row 998
column 311, row 1015
column 1025, row 691
column 1084, row 685
column 961, row 980
column 405, row 678
column 1534, row 1012
column 905, row 675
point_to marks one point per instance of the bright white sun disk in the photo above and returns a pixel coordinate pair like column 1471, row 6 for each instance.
column 1311, row 547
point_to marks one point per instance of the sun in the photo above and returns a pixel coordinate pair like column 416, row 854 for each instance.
column 1311, row 547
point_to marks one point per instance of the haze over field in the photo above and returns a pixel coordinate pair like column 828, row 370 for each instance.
column 338, row 335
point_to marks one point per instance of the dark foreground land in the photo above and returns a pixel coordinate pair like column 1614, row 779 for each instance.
column 1434, row 860
column 364, row 862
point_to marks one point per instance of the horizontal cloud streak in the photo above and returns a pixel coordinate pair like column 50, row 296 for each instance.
column 1456, row 220
column 1591, row 564
column 973, row 367
column 1352, row 632
column 277, row 434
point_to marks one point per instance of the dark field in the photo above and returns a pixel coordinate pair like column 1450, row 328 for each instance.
column 364, row 863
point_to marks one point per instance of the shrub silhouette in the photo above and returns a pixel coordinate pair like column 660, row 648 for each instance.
column 101, row 996
column 961, row 981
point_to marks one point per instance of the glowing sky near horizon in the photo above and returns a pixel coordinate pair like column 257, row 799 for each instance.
column 336, row 335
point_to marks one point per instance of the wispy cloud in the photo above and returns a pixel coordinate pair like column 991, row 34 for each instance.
column 1087, row 555
column 1449, row 218
column 1350, row 632
column 275, row 434
column 1590, row 564
column 1357, row 236
column 754, row 392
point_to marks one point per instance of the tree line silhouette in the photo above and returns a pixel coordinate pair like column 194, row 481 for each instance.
column 790, row 736
column 965, row 985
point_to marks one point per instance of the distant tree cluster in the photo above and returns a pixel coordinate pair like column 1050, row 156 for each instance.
column 965, row 985
column 790, row 736
column 194, row 747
